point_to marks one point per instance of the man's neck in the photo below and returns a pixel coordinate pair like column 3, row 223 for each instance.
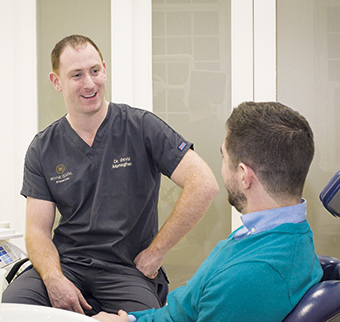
column 87, row 125
column 261, row 200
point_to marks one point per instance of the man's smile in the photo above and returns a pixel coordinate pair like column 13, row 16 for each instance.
column 90, row 95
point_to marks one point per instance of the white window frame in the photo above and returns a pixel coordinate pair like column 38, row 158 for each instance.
column 253, row 57
column 131, row 52
column 19, row 105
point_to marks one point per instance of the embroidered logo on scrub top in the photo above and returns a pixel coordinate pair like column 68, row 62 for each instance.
column 182, row 146
column 60, row 168
column 61, row 177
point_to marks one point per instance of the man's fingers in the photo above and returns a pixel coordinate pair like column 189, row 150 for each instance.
column 85, row 305
column 83, row 302
column 122, row 314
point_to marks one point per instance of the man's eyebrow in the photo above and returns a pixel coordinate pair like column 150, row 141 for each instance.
column 77, row 70
column 96, row 66
column 74, row 71
column 221, row 150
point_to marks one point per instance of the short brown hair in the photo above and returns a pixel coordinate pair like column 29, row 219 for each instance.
column 75, row 41
column 275, row 141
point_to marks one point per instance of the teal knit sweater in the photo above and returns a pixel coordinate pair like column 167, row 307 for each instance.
column 257, row 278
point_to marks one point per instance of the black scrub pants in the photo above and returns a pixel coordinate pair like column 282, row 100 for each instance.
column 103, row 290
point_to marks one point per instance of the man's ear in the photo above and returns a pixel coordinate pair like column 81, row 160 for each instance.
column 247, row 175
column 54, row 78
column 104, row 70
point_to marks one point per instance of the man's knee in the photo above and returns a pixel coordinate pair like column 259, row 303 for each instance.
column 137, row 294
column 28, row 288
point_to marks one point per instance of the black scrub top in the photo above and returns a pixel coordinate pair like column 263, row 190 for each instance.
column 107, row 194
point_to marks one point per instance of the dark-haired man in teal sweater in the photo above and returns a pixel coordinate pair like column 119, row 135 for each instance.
column 265, row 267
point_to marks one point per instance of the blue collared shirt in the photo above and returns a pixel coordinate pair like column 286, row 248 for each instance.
column 259, row 221
column 132, row 318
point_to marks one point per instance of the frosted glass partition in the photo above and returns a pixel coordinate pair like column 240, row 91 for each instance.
column 308, row 40
column 191, row 91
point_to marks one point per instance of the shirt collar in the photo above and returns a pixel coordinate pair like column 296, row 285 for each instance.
column 259, row 221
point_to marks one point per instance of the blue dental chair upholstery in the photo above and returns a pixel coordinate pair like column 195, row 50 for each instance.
column 321, row 303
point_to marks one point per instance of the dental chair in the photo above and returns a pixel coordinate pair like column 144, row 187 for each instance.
column 321, row 303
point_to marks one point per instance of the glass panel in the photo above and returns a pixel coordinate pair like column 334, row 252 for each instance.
column 308, row 38
column 191, row 88
column 58, row 19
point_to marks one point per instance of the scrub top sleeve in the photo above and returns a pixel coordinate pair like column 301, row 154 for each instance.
column 165, row 145
column 34, row 182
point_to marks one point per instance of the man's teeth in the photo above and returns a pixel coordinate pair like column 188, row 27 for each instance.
column 87, row 96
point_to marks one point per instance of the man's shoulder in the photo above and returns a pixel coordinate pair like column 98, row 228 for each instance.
column 125, row 111
column 122, row 108
column 50, row 129
column 48, row 135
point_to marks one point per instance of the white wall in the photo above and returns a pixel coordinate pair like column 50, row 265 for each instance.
column 131, row 52
column 253, row 55
column 18, row 104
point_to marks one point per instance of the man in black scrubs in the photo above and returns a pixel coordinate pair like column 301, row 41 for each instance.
column 100, row 165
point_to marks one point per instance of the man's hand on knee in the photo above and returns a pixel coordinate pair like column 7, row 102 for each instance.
column 64, row 294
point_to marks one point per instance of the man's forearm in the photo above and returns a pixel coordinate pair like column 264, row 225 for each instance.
column 40, row 248
column 43, row 255
column 189, row 209
column 199, row 189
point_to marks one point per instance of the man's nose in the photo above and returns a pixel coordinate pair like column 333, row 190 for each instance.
column 88, row 82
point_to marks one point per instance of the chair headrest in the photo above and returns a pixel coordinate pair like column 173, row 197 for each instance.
column 331, row 267
column 330, row 195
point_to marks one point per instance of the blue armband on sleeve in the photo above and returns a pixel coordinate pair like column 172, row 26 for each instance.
column 132, row 318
